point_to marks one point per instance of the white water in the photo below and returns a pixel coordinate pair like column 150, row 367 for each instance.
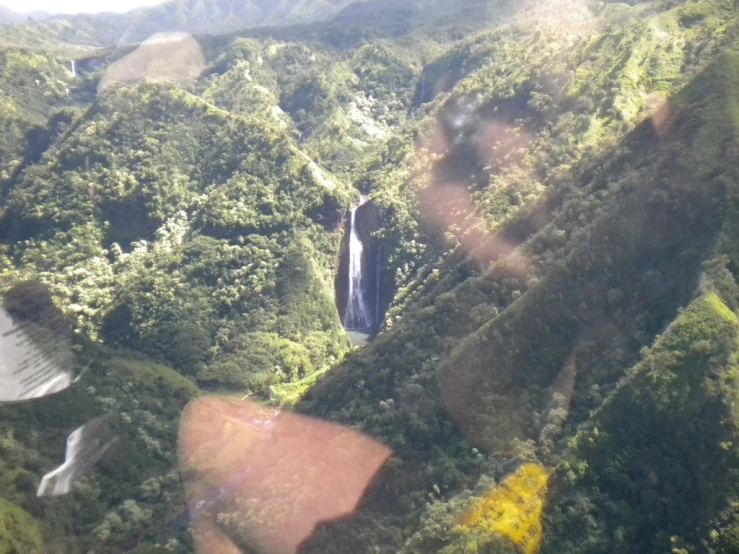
column 377, row 286
column 74, row 70
column 358, row 316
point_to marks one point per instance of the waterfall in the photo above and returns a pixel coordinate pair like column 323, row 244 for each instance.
column 357, row 316
column 417, row 104
column 378, row 283
column 74, row 70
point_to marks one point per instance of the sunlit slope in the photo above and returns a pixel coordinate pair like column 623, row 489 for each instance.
column 511, row 113
column 635, row 263
column 20, row 532
column 664, row 439
column 339, row 106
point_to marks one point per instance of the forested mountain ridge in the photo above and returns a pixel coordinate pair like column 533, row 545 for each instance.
column 10, row 16
column 207, row 17
column 556, row 183
column 190, row 16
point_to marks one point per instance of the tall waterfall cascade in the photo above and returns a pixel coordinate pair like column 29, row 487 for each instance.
column 74, row 68
column 358, row 315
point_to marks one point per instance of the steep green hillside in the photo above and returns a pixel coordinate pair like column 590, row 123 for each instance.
column 338, row 108
column 483, row 369
column 135, row 492
column 666, row 433
column 20, row 531
column 167, row 225
column 664, row 441
column 32, row 89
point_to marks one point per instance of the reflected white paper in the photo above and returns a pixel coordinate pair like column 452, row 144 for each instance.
column 85, row 447
column 28, row 369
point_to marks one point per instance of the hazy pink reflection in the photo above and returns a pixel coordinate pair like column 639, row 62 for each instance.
column 275, row 475
column 447, row 204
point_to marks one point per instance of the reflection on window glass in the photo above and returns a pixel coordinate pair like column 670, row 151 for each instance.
column 85, row 446
column 378, row 277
